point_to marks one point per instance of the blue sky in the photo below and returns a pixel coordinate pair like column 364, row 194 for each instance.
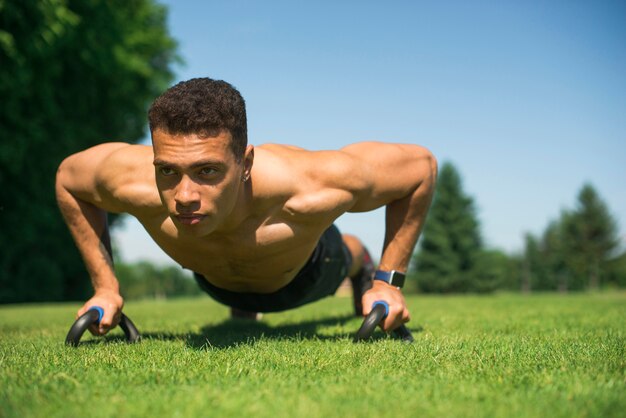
column 527, row 99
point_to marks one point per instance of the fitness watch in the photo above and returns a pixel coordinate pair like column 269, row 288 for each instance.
column 394, row 278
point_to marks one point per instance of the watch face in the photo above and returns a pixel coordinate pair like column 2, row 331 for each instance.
column 397, row 279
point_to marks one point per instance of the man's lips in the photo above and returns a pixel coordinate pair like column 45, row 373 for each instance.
column 190, row 219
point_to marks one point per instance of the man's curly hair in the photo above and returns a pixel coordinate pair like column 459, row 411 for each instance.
column 204, row 107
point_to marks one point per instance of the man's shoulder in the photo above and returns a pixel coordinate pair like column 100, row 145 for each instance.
column 123, row 163
column 310, row 181
column 301, row 159
column 284, row 167
column 127, row 156
column 306, row 169
column 126, row 176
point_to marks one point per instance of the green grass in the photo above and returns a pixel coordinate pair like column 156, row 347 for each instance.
column 504, row 355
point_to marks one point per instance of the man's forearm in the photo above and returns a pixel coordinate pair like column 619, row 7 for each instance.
column 404, row 220
column 88, row 226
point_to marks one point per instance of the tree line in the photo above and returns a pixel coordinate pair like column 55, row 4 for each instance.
column 146, row 280
column 577, row 251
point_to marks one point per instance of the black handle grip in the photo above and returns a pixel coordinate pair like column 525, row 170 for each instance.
column 130, row 330
column 372, row 320
column 92, row 316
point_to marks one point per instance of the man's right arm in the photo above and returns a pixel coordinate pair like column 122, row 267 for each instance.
column 84, row 208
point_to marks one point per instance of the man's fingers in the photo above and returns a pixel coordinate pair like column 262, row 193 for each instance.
column 395, row 319
column 367, row 309
column 80, row 312
column 111, row 305
column 109, row 320
column 93, row 329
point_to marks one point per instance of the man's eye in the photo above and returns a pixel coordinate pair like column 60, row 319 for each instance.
column 166, row 171
column 207, row 171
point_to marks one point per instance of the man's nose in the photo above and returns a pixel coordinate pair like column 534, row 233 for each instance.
column 186, row 192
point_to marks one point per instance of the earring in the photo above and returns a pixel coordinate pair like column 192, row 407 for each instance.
column 245, row 177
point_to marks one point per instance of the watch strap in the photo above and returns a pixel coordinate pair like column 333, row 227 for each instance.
column 393, row 277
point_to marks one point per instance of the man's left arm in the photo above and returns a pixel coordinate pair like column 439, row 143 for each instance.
column 402, row 178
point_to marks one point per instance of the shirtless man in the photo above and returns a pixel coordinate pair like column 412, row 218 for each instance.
column 254, row 223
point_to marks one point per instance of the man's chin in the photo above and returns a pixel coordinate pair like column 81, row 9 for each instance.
column 185, row 231
column 193, row 227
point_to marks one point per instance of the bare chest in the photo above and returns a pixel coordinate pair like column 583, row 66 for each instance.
column 257, row 258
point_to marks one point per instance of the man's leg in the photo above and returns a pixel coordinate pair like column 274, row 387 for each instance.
column 241, row 314
column 361, row 272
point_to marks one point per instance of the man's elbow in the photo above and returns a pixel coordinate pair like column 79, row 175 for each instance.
column 63, row 173
column 427, row 167
column 69, row 177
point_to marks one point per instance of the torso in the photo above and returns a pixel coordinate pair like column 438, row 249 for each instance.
column 266, row 251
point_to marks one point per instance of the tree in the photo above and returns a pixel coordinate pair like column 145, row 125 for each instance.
column 590, row 236
column 545, row 261
column 74, row 73
column 616, row 271
column 493, row 270
column 554, row 254
column 532, row 267
column 575, row 251
column 451, row 243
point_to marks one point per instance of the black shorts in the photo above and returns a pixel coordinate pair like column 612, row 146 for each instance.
column 320, row 277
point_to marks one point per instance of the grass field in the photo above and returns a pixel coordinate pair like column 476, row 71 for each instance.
column 491, row 356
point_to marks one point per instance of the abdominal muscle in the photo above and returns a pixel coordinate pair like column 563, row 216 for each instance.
column 265, row 275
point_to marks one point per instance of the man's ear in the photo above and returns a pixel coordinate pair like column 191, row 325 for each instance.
column 248, row 160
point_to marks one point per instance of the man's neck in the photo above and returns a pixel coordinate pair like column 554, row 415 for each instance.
column 243, row 209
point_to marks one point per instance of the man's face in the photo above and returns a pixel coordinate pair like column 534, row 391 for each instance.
column 198, row 179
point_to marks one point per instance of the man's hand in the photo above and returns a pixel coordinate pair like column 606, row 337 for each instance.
column 398, row 313
column 112, row 303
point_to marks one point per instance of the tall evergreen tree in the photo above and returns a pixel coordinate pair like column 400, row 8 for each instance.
column 531, row 264
column 616, row 271
column 493, row 270
column 544, row 261
column 451, row 243
column 576, row 250
column 590, row 236
column 556, row 275
column 73, row 73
